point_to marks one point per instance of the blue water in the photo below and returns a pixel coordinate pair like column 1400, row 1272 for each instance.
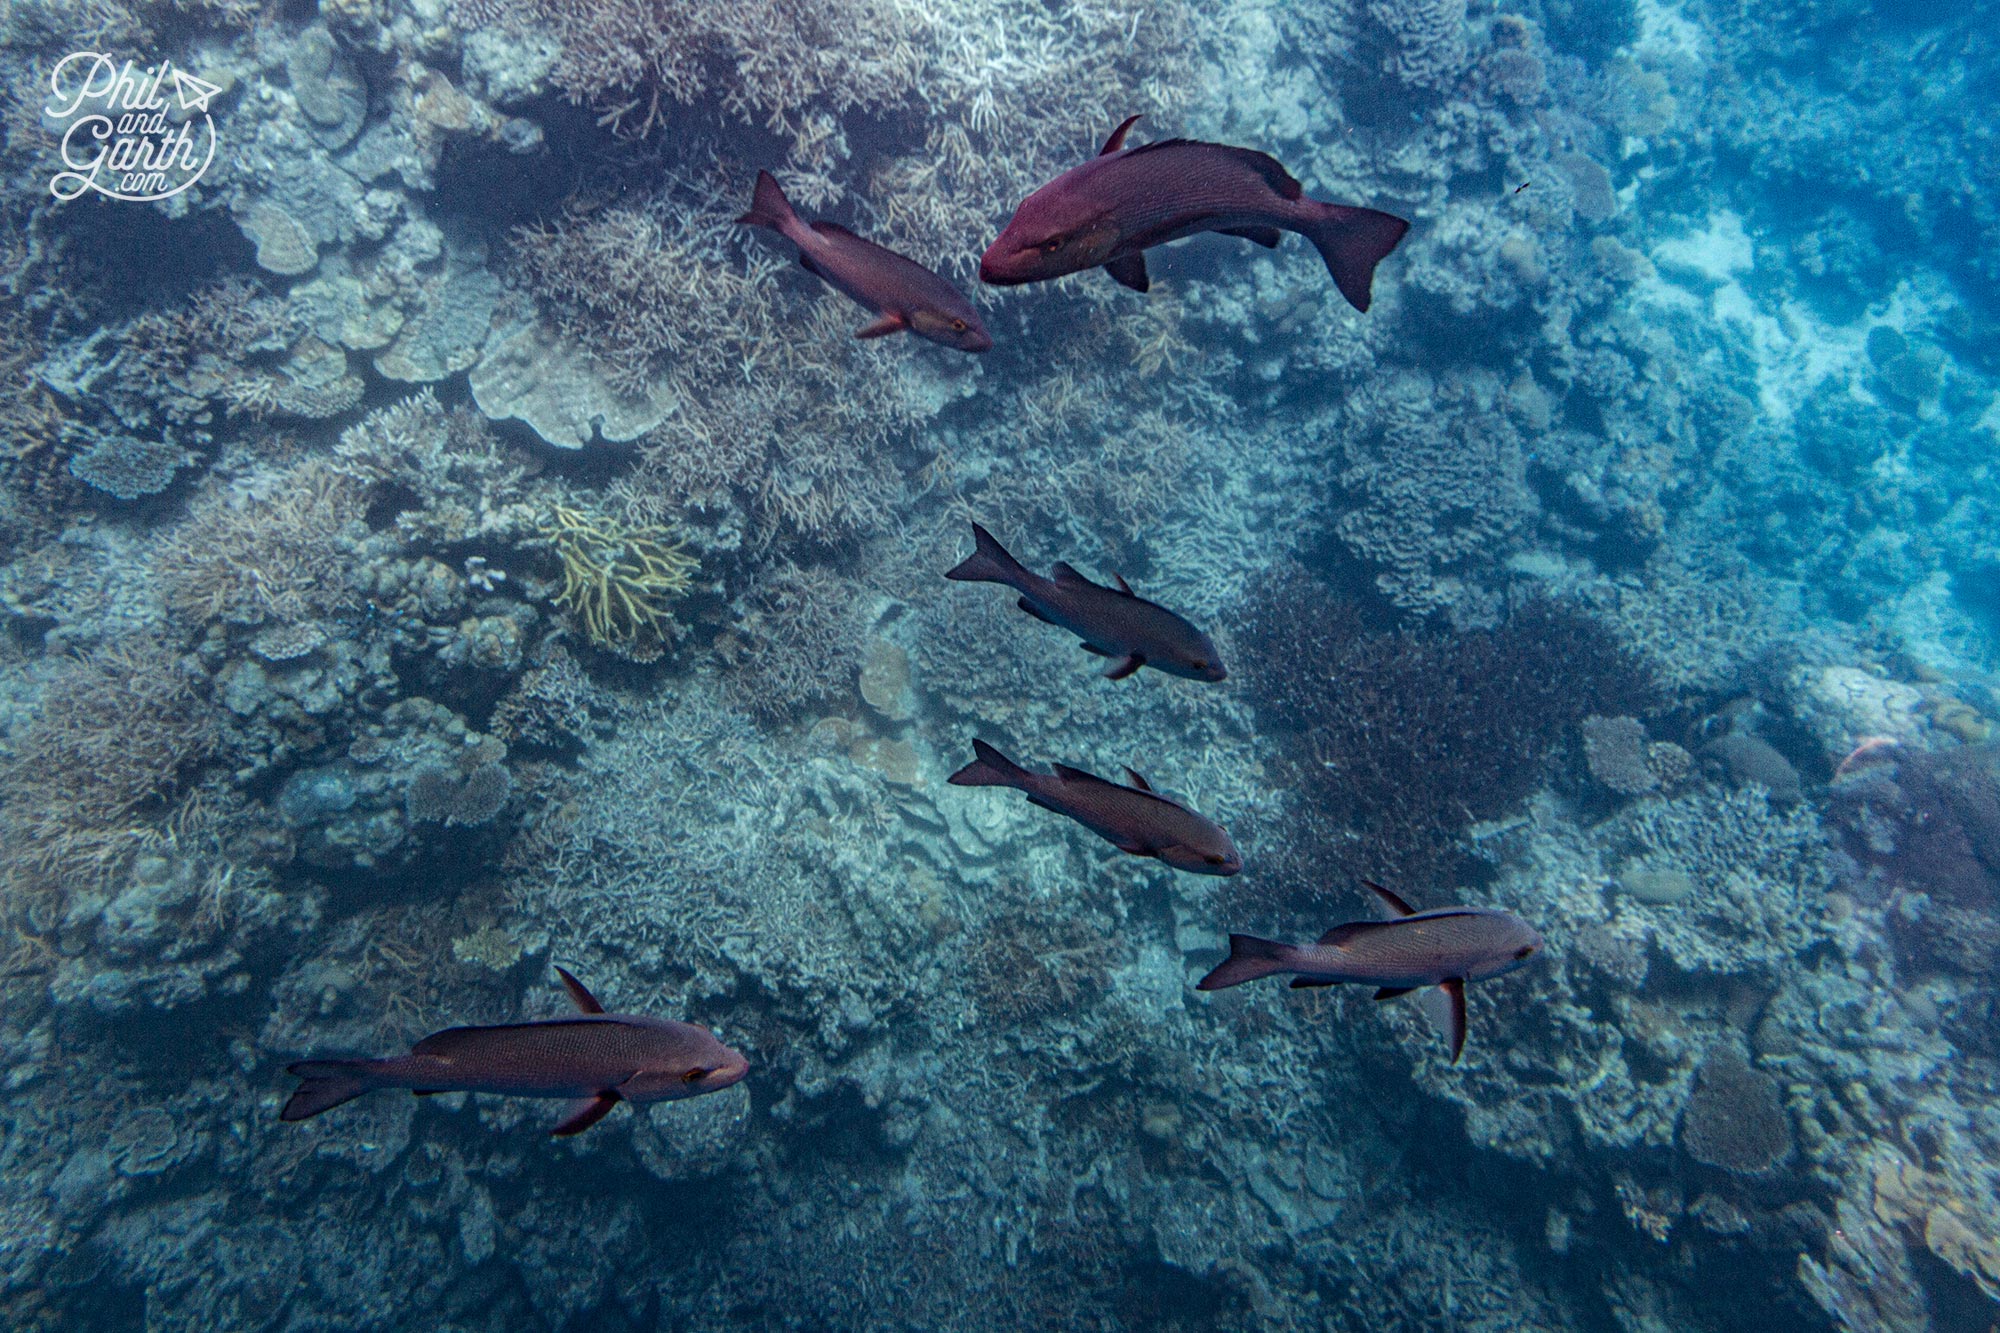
column 438, row 544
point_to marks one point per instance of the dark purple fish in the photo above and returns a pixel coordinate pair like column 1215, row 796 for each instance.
column 1127, row 200
column 903, row 293
column 1112, row 622
column 1443, row 947
column 595, row 1059
column 1135, row 819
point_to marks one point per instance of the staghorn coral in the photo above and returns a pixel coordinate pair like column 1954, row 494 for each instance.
column 290, row 556
column 617, row 579
column 785, row 412
column 797, row 642
column 118, row 733
column 449, row 475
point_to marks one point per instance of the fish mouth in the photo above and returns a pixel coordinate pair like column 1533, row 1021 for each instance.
column 993, row 275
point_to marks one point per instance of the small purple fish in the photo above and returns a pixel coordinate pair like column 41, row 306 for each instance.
column 1135, row 819
column 1443, row 947
column 594, row 1058
column 1126, row 200
column 903, row 293
column 1115, row 623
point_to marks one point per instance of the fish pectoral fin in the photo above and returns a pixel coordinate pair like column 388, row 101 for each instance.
column 1034, row 610
column 1130, row 271
column 806, row 263
column 1301, row 983
column 1123, row 586
column 1268, row 237
column 579, row 994
column 891, row 322
column 1391, row 992
column 1392, row 901
column 584, row 1112
column 1137, row 780
column 1445, row 1005
column 1125, row 666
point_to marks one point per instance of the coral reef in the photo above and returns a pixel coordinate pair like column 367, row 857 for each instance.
column 1629, row 567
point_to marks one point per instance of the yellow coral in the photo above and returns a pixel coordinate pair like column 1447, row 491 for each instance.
column 617, row 579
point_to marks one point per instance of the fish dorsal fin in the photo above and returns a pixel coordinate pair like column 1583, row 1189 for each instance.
column 1068, row 774
column 1263, row 164
column 1117, row 139
column 1138, row 781
column 1123, row 586
column 1066, row 575
column 1389, row 900
column 1343, row 933
column 579, row 994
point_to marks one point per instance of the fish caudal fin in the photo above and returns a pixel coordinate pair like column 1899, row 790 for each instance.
column 327, row 1084
column 1353, row 241
column 769, row 207
column 1249, row 958
column 989, row 769
column 988, row 563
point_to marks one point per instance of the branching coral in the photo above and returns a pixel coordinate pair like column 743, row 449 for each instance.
column 798, row 641
column 1394, row 742
column 117, row 733
column 290, row 556
column 618, row 579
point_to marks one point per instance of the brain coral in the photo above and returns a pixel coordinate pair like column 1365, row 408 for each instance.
column 1735, row 1119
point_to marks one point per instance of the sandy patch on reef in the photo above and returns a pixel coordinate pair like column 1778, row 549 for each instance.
column 1792, row 349
column 1666, row 32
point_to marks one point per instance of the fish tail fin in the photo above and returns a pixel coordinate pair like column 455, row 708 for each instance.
column 989, row 768
column 988, row 563
column 769, row 207
column 1249, row 958
column 1353, row 241
column 327, row 1084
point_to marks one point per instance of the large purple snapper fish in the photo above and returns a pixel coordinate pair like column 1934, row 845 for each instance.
column 593, row 1058
column 1134, row 819
column 902, row 293
column 1112, row 622
column 1124, row 201
column 1444, row 947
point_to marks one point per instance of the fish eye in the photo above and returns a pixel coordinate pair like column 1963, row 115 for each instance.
column 1053, row 244
column 696, row 1075
column 1215, row 860
column 958, row 326
column 1524, row 951
column 1200, row 664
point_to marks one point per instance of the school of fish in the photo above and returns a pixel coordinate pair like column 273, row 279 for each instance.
column 1103, row 213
